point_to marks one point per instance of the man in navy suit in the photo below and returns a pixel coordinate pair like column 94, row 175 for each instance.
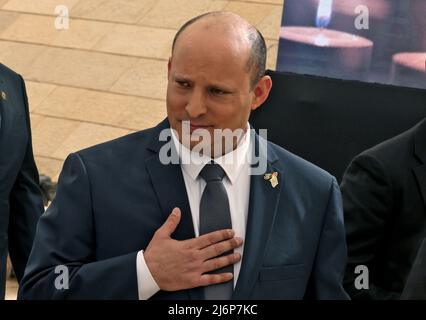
column 21, row 202
column 126, row 224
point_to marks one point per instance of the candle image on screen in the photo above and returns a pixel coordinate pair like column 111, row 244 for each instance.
column 323, row 51
column 381, row 41
column 323, row 20
column 324, row 13
column 409, row 68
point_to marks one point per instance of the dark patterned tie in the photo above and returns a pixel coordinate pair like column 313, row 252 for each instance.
column 215, row 215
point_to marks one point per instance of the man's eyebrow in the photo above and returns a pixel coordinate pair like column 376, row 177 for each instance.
column 221, row 86
column 180, row 77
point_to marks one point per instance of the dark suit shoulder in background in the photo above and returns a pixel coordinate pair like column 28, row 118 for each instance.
column 384, row 198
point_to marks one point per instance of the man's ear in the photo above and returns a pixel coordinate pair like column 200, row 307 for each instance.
column 169, row 67
column 261, row 91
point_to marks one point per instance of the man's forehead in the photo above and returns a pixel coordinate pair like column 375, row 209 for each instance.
column 211, row 47
column 209, row 76
column 208, row 62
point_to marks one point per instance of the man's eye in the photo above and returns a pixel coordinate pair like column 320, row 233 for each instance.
column 183, row 84
column 218, row 91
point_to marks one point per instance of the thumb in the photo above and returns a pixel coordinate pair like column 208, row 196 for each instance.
column 171, row 223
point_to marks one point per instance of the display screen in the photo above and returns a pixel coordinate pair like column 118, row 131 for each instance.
column 380, row 41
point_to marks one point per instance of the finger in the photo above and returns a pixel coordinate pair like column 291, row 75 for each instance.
column 211, row 238
column 219, row 248
column 217, row 263
column 171, row 223
column 209, row 279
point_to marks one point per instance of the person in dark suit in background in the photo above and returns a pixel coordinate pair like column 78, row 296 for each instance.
column 384, row 199
column 126, row 225
column 21, row 202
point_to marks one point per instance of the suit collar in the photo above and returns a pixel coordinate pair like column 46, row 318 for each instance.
column 232, row 162
column 155, row 144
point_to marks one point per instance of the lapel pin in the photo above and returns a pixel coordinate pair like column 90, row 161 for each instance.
column 272, row 178
column 3, row 95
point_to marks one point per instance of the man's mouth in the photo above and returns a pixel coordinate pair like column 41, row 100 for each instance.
column 194, row 127
column 190, row 126
column 198, row 126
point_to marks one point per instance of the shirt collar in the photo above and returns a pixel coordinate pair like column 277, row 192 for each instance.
column 231, row 162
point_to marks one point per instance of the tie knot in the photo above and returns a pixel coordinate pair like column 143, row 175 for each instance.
column 212, row 172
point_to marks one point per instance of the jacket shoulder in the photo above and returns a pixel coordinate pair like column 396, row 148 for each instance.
column 122, row 147
column 392, row 152
column 8, row 74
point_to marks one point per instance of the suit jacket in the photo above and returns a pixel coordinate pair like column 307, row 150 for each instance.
column 384, row 199
column 111, row 198
column 20, row 198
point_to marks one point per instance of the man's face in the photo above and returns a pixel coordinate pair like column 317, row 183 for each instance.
column 209, row 84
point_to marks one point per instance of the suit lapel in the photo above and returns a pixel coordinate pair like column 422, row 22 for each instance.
column 263, row 205
column 420, row 151
column 1, row 101
column 170, row 189
column 10, row 112
column 169, row 186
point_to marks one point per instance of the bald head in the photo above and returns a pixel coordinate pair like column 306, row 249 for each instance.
column 236, row 29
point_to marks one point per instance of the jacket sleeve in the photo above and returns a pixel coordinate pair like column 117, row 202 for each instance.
column 329, row 267
column 65, row 240
column 367, row 199
column 26, row 204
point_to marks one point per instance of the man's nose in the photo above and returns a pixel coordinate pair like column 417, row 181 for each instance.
column 196, row 105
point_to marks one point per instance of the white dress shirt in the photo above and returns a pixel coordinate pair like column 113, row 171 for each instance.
column 236, row 165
